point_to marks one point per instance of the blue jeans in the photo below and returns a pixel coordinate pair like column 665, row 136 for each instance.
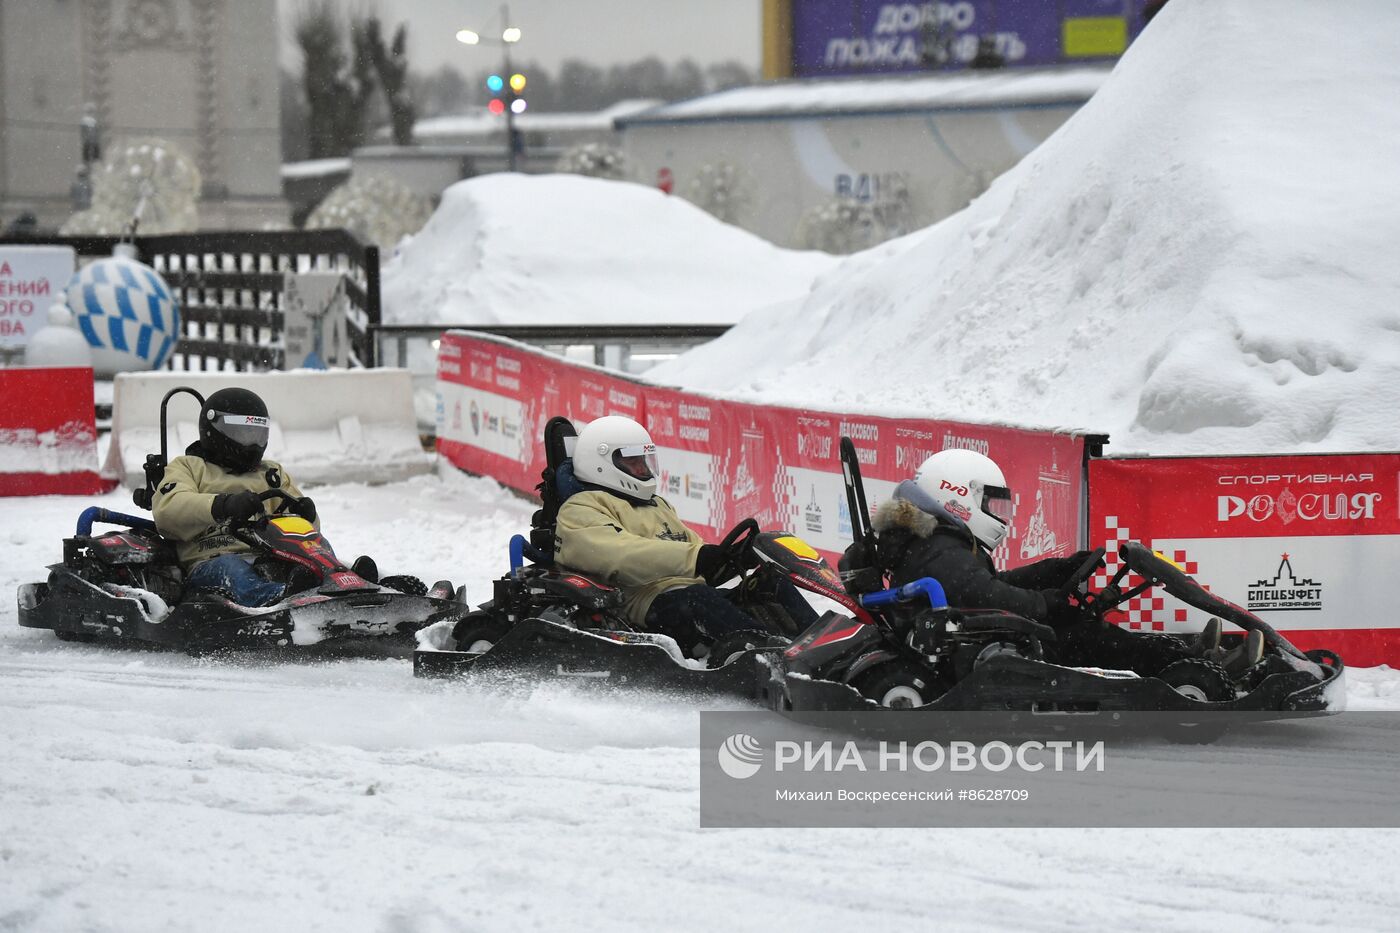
column 236, row 577
column 700, row 612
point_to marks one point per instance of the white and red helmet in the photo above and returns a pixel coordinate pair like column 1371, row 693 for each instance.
column 972, row 488
column 617, row 453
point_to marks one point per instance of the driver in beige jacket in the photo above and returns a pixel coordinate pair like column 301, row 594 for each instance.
column 619, row 532
column 219, row 480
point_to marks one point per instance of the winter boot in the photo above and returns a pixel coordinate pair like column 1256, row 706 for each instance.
column 365, row 567
column 1207, row 643
column 1244, row 656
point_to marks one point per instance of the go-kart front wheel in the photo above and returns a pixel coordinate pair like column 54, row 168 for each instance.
column 405, row 583
column 896, row 685
column 1204, row 682
column 478, row 633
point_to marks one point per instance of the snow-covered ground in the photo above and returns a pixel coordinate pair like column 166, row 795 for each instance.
column 1200, row 260
column 150, row 791
column 565, row 249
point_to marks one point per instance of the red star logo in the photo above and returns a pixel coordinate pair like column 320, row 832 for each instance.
column 1285, row 556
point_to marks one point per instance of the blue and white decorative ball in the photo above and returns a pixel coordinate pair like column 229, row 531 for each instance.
column 126, row 312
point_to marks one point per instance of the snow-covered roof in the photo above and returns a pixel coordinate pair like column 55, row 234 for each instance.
column 481, row 122
column 315, row 168
column 1006, row 88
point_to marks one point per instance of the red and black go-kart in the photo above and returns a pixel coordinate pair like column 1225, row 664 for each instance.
column 545, row 621
column 908, row 649
column 126, row 586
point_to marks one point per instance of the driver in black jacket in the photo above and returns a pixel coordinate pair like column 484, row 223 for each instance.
column 945, row 522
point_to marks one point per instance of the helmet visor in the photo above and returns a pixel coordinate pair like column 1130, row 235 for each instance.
column 637, row 461
column 244, row 430
column 996, row 502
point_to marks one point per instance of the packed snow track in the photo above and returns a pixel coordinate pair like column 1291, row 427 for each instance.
column 152, row 791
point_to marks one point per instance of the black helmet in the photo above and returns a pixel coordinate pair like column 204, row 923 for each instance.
column 233, row 427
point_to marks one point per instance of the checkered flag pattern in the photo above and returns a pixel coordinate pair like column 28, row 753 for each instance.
column 1149, row 611
column 787, row 507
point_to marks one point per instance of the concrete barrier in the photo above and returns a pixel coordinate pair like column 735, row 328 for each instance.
column 336, row 426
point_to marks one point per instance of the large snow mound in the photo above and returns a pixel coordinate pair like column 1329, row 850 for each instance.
column 565, row 249
column 1201, row 260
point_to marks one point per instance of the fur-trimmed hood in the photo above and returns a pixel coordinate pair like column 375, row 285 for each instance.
column 901, row 514
column 910, row 511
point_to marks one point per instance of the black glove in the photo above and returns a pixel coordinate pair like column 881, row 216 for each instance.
column 305, row 508
column 860, row 571
column 238, row 506
column 708, row 562
column 1077, row 559
column 1060, row 610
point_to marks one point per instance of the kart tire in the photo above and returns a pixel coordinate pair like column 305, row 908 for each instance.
column 1204, row 682
column 1158, row 650
column 405, row 583
column 478, row 633
column 731, row 646
column 896, row 685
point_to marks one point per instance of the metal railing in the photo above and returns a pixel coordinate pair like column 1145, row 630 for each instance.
column 629, row 348
column 230, row 288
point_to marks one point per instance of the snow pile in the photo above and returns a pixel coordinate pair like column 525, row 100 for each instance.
column 563, row 249
column 68, row 449
column 1201, row 260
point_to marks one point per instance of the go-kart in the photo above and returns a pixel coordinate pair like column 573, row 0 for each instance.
column 546, row 621
column 126, row 586
column 906, row 648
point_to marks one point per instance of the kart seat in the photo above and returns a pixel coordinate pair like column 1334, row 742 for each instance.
column 565, row 481
column 557, row 484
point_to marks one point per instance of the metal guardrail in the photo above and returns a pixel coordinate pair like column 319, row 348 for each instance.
column 230, row 288
column 623, row 347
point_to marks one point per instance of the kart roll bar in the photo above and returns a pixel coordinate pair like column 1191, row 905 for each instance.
column 861, row 531
column 156, row 463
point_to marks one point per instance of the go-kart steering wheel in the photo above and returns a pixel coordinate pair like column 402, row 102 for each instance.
column 288, row 503
column 1082, row 574
column 737, row 550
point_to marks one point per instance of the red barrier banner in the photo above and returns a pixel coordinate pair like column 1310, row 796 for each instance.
column 495, row 396
column 1304, row 542
column 723, row 461
column 48, row 433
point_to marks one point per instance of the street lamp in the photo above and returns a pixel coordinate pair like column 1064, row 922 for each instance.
column 509, row 36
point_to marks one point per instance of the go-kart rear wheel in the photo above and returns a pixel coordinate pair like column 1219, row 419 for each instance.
column 1203, row 682
column 896, row 685
column 478, row 633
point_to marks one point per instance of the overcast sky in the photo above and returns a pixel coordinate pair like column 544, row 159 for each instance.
column 601, row 31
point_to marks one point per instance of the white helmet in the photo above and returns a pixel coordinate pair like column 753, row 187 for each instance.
column 972, row 488
column 617, row 453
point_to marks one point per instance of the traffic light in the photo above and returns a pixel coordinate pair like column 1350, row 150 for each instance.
column 506, row 94
column 496, row 84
